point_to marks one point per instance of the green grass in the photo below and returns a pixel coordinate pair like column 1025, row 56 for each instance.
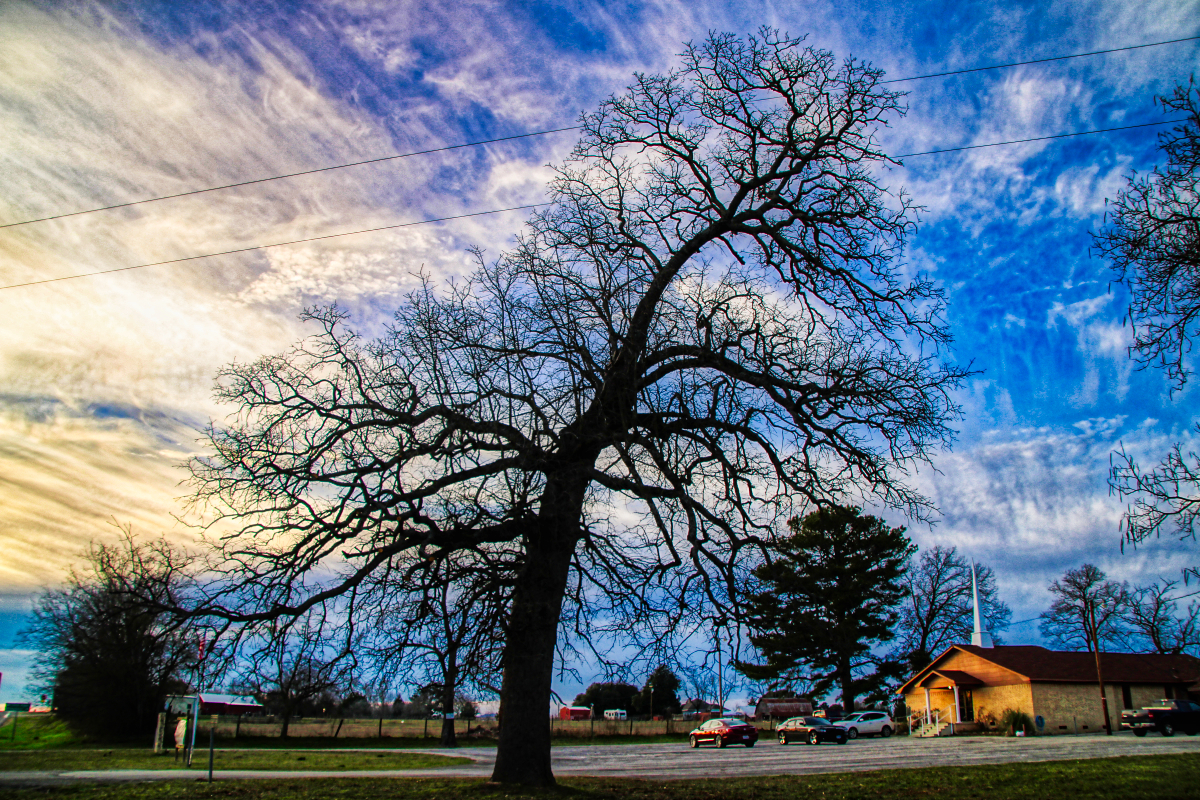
column 118, row 758
column 38, row 731
column 1158, row 777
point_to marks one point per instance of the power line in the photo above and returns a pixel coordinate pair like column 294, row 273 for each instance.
column 288, row 175
column 1040, row 138
column 527, row 135
column 516, row 208
column 1041, row 60
column 276, row 244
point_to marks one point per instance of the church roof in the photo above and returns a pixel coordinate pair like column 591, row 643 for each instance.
column 1037, row 664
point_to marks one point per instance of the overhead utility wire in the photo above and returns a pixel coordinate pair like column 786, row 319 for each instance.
column 513, row 208
column 526, row 135
column 275, row 244
column 288, row 175
column 1040, row 60
column 1040, row 138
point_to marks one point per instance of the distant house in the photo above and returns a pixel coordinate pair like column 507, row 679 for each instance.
column 782, row 707
column 574, row 712
column 223, row 704
column 969, row 686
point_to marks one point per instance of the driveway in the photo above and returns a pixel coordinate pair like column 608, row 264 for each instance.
column 677, row 761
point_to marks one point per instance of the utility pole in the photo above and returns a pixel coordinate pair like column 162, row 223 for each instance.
column 1095, row 637
column 720, row 681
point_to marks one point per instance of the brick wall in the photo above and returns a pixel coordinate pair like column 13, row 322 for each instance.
column 992, row 701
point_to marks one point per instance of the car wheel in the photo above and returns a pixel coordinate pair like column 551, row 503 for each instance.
column 693, row 741
column 842, row 740
column 783, row 738
column 852, row 733
column 1140, row 732
column 1168, row 729
column 813, row 738
column 749, row 744
column 721, row 741
column 886, row 732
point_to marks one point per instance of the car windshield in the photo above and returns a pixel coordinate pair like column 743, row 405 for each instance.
column 729, row 723
column 816, row 722
column 855, row 717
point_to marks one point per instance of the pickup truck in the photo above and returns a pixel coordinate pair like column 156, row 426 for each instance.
column 1165, row 716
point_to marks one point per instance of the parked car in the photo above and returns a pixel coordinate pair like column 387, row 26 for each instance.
column 1165, row 716
column 867, row 723
column 813, row 730
column 723, row 732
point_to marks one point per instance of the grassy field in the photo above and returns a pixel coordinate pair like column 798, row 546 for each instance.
column 326, row 742
column 1130, row 778
column 129, row 758
column 42, row 731
column 37, row 731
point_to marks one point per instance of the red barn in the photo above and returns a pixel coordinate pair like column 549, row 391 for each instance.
column 572, row 712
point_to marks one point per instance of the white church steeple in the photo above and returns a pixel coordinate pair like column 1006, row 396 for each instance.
column 980, row 637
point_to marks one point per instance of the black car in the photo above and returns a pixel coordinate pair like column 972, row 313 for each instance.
column 812, row 730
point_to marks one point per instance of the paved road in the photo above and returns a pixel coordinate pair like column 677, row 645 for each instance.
column 677, row 761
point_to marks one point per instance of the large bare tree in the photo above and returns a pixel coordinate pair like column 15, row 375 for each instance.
column 936, row 612
column 707, row 327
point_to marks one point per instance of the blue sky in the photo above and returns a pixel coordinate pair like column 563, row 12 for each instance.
column 104, row 381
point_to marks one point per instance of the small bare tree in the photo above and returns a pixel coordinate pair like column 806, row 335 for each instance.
column 1087, row 614
column 290, row 664
column 705, row 329
column 442, row 623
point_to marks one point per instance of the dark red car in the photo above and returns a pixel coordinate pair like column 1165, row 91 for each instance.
column 724, row 732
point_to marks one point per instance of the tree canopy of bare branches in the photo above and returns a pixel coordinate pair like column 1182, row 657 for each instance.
column 707, row 327
column 1152, row 241
column 936, row 611
column 1154, row 621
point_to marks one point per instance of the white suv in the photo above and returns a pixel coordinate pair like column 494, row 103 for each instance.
column 866, row 723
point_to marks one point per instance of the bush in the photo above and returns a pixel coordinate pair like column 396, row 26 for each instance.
column 1012, row 721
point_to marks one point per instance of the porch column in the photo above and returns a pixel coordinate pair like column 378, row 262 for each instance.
column 957, row 706
column 927, row 717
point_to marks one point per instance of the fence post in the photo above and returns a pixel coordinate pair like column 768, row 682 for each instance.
column 160, row 731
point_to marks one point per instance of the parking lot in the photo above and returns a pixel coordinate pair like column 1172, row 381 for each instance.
column 678, row 761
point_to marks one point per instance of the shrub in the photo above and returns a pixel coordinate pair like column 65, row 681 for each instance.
column 1012, row 721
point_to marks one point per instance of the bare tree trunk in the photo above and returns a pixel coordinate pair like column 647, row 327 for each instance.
column 448, row 687
column 523, row 754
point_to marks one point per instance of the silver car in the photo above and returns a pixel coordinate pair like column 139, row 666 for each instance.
column 867, row 723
